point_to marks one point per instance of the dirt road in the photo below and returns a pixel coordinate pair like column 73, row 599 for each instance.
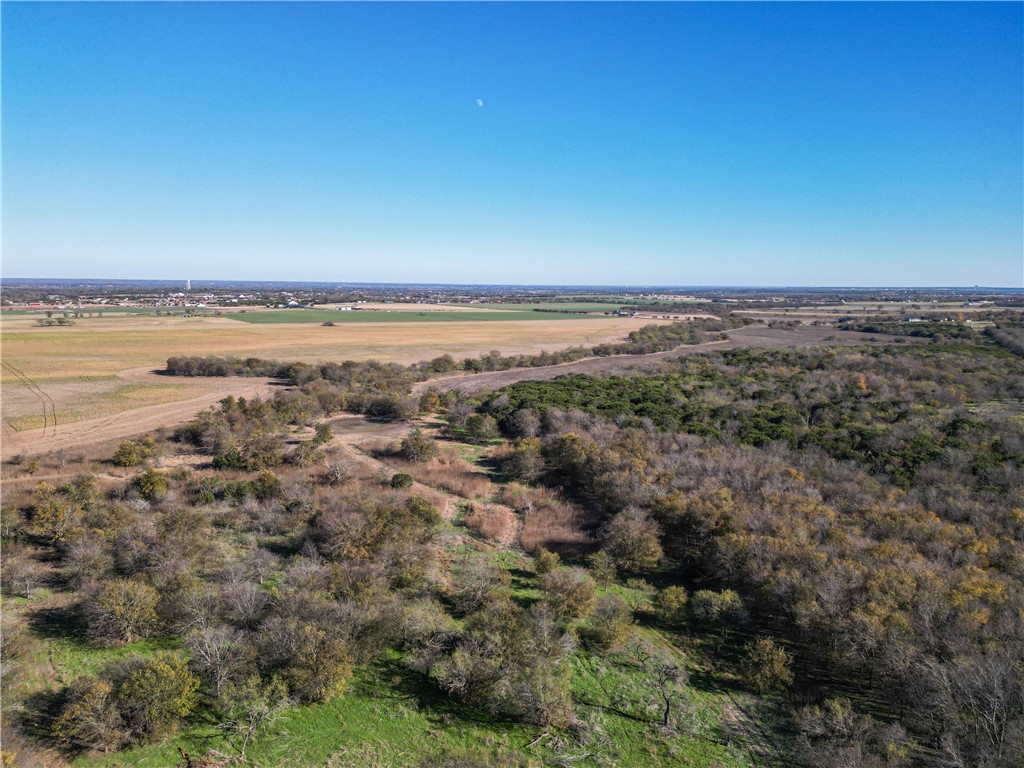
column 740, row 338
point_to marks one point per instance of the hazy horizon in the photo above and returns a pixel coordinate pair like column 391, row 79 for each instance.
column 197, row 282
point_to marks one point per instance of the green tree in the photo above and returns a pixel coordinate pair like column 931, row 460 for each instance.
column 55, row 517
column 631, row 537
column 526, row 462
column 158, row 694
column 546, row 561
column 610, row 624
column 90, row 718
column 123, row 611
column 251, row 707
column 570, row 592
column 603, row 568
column 320, row 668
column 766, row 666
column 481, row 428
column 670, row 605
column 723, row 608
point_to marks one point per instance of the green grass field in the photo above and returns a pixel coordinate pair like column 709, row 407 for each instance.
column 580, row 306
column 377, row 316
column 394, row 718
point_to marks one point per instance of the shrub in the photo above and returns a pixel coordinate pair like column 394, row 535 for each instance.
column 151, row 485
column 602, row 568
column 158, row 694
column 766, row 666
column 546, row 561
column 418, row 446
column 610, row 624
column 401, row 480
column 130, row 453
column 570, row 592
column 266, row 485
column 670, row 605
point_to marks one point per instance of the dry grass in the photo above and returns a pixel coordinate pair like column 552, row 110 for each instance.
column 74, row 401
column 553, row 523
column 449, row 473
column 494, row 522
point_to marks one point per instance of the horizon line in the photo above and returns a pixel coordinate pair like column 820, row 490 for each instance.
column 604, row 286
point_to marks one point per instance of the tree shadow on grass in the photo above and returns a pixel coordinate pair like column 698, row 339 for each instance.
column 37, row 717
column 522, row 581
column 58, row 623
column 392, row 679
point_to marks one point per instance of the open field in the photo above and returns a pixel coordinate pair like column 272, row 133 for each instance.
column 422, row 315
column 84, row 371
column 578, row 306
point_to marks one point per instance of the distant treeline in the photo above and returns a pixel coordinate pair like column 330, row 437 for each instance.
column 646, row 340
column 1010, row 337
column 927, row 329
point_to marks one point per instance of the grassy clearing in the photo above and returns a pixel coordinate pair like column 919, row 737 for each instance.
column 394, row 717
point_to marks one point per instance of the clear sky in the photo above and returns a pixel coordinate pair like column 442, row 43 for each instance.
column 674, row 144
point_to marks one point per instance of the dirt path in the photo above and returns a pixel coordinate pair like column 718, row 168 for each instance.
column 756, row 336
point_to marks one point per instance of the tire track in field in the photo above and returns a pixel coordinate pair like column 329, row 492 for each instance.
column 36, row 390
column 83, row 434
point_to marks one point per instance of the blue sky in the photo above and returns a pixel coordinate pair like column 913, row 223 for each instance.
column 673, row 144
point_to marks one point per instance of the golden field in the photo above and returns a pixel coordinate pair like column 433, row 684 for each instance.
column 99, row 366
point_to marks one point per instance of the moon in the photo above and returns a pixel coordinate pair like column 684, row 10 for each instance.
column 479, row 102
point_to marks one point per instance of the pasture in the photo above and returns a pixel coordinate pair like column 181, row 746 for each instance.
column 423, row 315
column 575, row 306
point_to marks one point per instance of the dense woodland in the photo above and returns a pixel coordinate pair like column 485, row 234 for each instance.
column 867, row 505
column 840, row 530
